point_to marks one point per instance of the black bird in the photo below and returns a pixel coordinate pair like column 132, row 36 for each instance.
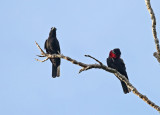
column 114, row 61
column 52, row 47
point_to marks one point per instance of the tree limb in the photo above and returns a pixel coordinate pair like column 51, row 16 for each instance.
column 94, row 59
column 153, row 18
column 42, row 60
column 101, row 66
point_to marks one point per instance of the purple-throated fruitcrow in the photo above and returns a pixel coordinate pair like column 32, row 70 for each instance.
column 114, row 61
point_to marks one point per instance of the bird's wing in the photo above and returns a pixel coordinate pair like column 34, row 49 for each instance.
column 58, row 47
column 110, row 63
column 123, row 69
column 123, row 64
column 45, row 44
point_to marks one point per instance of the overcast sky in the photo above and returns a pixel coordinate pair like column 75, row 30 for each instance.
column 91, row 27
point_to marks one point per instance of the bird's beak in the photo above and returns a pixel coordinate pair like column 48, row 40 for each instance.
column 53, row 28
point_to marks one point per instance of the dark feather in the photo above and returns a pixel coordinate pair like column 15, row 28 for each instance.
column 52, row 47
column 118, row 64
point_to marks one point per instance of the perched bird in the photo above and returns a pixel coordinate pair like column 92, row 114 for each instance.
column 52, row 47
column 114, row 61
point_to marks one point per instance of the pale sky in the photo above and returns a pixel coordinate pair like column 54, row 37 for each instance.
column 91, row 27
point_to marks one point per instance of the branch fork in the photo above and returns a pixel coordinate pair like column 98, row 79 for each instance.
column 153, row 18
column 86, row 67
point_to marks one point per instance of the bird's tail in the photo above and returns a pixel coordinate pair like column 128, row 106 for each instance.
column 125, row 88
column 58, row 71
column 55, row 71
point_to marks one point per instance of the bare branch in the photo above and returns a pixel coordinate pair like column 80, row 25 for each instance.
column 42, row 60
column 40, row 56
column 153, row 18
column 102, row 66
column 84, row 69
column 42, row 52
column 94, row 59
column 156, row 56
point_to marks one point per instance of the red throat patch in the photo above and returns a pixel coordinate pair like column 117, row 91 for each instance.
column 112, row 55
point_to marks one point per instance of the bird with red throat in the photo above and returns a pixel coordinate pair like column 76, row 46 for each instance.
column 114, row 61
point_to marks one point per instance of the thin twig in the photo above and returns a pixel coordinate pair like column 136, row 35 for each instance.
column 41, row 56
column 153, row 18
column 84, row 69
column 94, row 59
column 42, row 52
column 42, row 60
column 108, row 69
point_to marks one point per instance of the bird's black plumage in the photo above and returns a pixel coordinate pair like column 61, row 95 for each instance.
column 52, row 47
column 114, row 61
